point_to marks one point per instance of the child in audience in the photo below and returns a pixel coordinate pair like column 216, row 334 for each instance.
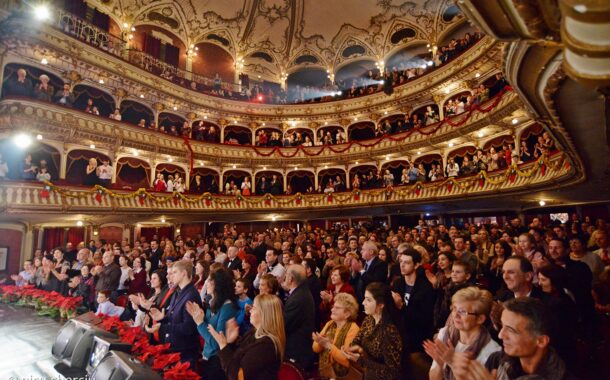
column 106, row 307
column 244, row 303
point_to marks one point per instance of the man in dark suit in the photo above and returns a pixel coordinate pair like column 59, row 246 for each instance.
column 263, row 187
column 155, row 255
column 299, row 317
column 176, row 326
column 260, row 250
column 372, row 269
column 518, row 275
column 275, row 187
column 232, row 262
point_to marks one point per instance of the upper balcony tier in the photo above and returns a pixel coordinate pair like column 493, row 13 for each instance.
column 70, row 56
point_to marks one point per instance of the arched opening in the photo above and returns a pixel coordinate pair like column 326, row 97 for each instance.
column 208, row 181
column 273, row 182
column 394, row 124
column 235, row 134
column 452, row 105
column 498, row 142
column 76, row 164
column 300, row 181
column 336, row 175
column 308, row 85
column 427, row 114
column 410, row 57
column 132, row 173
column 101, row 100
column 299, row 136
column 211, row 59
column 395, row 168
column 170, row 171
column 363, row 130
column 233, row 178
column 529, row 139
column 459, row 154
column 205, row 131
column 268, row 136
column 361, row 73
column 366, row 175
column 10, row 88
column 499, row 151
column 161, row 44
column 171, row 123
column 42, row 155
column 331, row 135
column 428, row 161
column 132, row 112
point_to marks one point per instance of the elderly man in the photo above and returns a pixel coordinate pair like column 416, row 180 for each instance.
column 299, row 317
column 107, row 276
column 372, row 269
column 43, row 90
column 20, row 86
column 232, row 262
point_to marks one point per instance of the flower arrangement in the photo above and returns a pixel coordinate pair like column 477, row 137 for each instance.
column 47, row 303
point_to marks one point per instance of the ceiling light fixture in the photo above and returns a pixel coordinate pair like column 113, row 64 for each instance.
column 101, row 81
column 447, row 91
column 264, row 168
column 542, row 202
column 418, row 153
column 22, row 140
column 141, row 96
column 38, row 137
column 205, row 117
column 234, row 166
column 480, row 134
column 79, row 223
column 44, row 61
column 477, row 75
column 92, row 146
column 515, row 121
column 273, row 218
column 162, row 220
column 175, row 108
column 450, row 145
column 135, row 152
column 356, row 162
column 125, row 25
column 170, row 159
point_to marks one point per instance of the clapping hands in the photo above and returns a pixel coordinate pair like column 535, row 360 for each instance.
column 195, row 311
column 232, row 333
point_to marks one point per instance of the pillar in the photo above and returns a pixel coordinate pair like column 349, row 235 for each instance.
column 348, row 182
column 445, row 160
column 63, row 163
column 285, row 176
column 189, row 67
column 28, row 244
column 222, row 134
column 315, row 180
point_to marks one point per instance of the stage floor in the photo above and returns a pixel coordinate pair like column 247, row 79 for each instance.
column 25, row 344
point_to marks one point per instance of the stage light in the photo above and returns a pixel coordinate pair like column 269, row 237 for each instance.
column 42, row 12
column 38, row 137
column 117, row 365
column 22, row 140
column 427, row 214
column 542, row 203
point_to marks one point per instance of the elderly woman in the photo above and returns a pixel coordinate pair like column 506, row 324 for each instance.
column 339, row 283
column 464, row 331
column 338, row 333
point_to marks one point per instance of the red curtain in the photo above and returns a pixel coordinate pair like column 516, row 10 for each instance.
column 152, row 46
column 172, row 55
column 52, row 238
column 167, row 232
column 76, row 235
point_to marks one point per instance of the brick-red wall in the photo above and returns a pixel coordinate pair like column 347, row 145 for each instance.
column 11, row 239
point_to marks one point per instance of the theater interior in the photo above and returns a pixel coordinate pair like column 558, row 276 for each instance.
column 123, row 120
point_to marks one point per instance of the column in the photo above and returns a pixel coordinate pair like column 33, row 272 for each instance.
column 189, row 67
column 153, row 174
column 285, row 180
column 445, row 159
column 28, row 244
column 348, row 182
column 115, row 162
column 63, row 163
column 315, row 180
column 222, row 134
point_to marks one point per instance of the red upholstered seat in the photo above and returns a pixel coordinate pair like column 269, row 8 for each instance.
column 289, row 371
column 121, row 301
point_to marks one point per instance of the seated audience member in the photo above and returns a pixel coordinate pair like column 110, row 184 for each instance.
column 259, row 353
column 299, row 317
column 579, row 253
column 518, row 275
column 106, row 307
column 336, row 336
column 465, row 332
column 377, row 347
column 175, row 324
column 26, row 276
column 215, row 317
column 83, row 286
column 244, row 303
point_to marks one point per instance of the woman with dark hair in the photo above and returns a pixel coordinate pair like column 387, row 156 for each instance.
column 202, row 270
column 493, row 269
column 159, row 298
column 222, row 309
column 378, row 346
column 339, row 283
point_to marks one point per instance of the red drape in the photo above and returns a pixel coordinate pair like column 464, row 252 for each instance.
column 52, row 238
column 76, row 235
column 152, row 46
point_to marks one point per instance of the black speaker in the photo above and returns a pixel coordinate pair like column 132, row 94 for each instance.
column 118, row 365
column 101, row 346
column 73, row 344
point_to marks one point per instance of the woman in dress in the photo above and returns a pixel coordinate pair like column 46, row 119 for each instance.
column 246, row 187
column 91, row 173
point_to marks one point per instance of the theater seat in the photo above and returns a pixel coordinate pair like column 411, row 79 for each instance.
column 289, row 371
column 121, row 301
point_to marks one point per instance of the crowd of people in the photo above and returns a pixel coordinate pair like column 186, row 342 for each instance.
column 432, row 301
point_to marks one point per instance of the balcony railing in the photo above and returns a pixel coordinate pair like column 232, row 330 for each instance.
column 21, row 197
column 90, row 34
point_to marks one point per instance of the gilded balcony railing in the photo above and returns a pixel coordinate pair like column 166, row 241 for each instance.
column 89, row 33
column 18, row 197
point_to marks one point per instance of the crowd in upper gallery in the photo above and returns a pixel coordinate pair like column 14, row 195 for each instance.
column 427, row 301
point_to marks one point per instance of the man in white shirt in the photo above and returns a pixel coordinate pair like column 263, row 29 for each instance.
column 104, row 173
column 270, row 265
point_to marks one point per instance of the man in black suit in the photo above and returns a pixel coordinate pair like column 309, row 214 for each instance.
column 372, row 269
column 263, row 187
column 260, row 250
column 299, row 317
column 275, row 187
column 232, row 262
column 176, row 326
column 155, row 255
column 518, row 275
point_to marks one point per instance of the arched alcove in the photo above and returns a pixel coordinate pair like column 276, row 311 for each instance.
column 429, row 160
column 161, row 44
column 300, row 181
column 295, row 132
column 409, row 57
column 132, row 112
column 32, row 74
column 210, row 179
column 167, row 120
column 268, row 175
column 42, row 155
column 236, row 134
column 235, row 175
column 204, row 130
column 325, row 175
column 328, row 135
column 102, row 100
column 356, row 73
column 170, row 169
column 395, row 167
column 211, row 59
column 132, row 173
column 361, row 131
column 530, row 136
column 267, row 140
column 497, row 142
column 460, row 153
column 362, row 171
column 76, row 164
column 308, row 77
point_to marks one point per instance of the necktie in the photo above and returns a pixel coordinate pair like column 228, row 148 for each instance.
column 366, row 267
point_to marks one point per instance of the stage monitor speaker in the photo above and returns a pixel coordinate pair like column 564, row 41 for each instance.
column 101, row 346
column 73, row 345
column 118, row 365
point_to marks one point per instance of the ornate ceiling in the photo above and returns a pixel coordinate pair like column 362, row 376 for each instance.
column 292, row 34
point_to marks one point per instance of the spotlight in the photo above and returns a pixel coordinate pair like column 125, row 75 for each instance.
column 542, row 203
column 38, row 137
column 22, row 140
column 515, row 121
column 42, row 12
column 44, row 61
column 79, row 223
column 92, row 146
column 427, row 214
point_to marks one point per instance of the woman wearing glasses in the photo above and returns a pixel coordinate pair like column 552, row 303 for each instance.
column 464, row 331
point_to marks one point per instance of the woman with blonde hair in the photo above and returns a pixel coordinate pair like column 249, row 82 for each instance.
column 259, row 353
column 338, row 333
column 169, row 252
column 91, row 173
